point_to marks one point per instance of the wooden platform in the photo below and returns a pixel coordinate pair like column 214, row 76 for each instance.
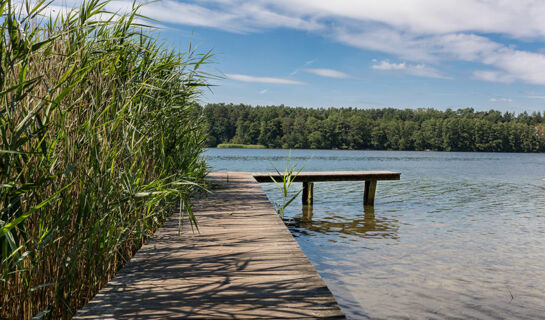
column 244, row 264
column 308, row 179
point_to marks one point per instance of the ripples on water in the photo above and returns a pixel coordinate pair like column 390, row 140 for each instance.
column 461, row 235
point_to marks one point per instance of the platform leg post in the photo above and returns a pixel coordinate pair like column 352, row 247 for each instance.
column 369, row 192
column 308, row 193
column 307, row 213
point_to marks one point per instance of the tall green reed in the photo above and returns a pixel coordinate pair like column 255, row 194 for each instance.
column 99, row 140
column 287, row 178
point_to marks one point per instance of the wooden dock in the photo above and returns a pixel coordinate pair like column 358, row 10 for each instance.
column 308, row 179
column 244, row 264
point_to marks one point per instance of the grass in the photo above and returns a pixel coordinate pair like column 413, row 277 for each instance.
column 241, row 146
column 99, row 140
column 288, row 177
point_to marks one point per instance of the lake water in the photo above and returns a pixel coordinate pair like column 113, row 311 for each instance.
column 460, row 236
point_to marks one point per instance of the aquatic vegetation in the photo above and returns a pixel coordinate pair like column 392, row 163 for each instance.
column 288, row 177
column 100, row 139
column 241, row 146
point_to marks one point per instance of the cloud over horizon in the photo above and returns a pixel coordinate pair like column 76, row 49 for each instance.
column 328, row 73
column 419, row 70
column 255, row 79
column 501, row 100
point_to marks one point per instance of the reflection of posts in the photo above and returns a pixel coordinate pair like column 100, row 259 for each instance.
column 369, row 192
column 307, row 213
column 308, row 193
column 369, row 221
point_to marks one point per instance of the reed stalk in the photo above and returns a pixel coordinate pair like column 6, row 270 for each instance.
column 288, row 177
column 99, row 140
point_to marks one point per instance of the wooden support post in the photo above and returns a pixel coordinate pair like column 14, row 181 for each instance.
column 369, row 192
column 369, row 221
column 307, row 213
column 308, row 193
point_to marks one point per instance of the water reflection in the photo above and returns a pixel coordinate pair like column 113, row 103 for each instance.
column 364, row 225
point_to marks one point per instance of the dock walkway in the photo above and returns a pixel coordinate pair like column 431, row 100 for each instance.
column 244, row 264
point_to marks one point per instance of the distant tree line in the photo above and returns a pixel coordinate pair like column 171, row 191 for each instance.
column 377, row 129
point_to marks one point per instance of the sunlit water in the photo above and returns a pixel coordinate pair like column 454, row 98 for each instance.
column 460, row 236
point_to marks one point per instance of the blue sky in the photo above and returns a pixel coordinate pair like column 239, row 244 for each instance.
column 356, row 53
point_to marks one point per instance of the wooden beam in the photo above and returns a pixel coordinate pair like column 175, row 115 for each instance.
column 369, row 192
column 308, row 193
column 330, row 176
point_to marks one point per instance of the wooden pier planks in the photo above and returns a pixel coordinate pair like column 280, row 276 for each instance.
column 244, row 264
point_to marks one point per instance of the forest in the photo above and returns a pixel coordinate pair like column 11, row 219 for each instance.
column 374, row 129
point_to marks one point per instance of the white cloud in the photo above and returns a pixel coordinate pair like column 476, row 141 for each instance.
column 431, row 49
column 234, row 16
column 254, row 79
column 421, row 70
column 492, row 76
column 512, row 65
column 328, row 73
column 263, row 91
column 521, row 18
column 501, row 100
column 536, row 97
column 423, row 32
column 418, row 70
column 386, row 65
column 387, row 40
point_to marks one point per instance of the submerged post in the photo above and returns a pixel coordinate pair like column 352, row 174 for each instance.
column 307, row 213
column 369, row 192
column 308, row 193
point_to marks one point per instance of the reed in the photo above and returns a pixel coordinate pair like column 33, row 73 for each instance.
column 288, row 177
column 99, row 140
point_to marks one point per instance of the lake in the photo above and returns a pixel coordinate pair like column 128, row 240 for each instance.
column 460, row 236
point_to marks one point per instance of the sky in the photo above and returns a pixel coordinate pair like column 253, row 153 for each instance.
column 484, row 54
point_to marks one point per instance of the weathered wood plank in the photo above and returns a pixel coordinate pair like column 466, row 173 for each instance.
column 244, row 264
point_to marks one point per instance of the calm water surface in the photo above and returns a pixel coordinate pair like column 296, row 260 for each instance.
column 460, row 236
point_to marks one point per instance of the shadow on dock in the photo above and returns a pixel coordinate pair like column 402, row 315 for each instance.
column 219, row 286
column 244, row 264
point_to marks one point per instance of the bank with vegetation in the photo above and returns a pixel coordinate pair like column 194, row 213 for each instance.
column 377, row 129
column 240, row 146
column 99, row 140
